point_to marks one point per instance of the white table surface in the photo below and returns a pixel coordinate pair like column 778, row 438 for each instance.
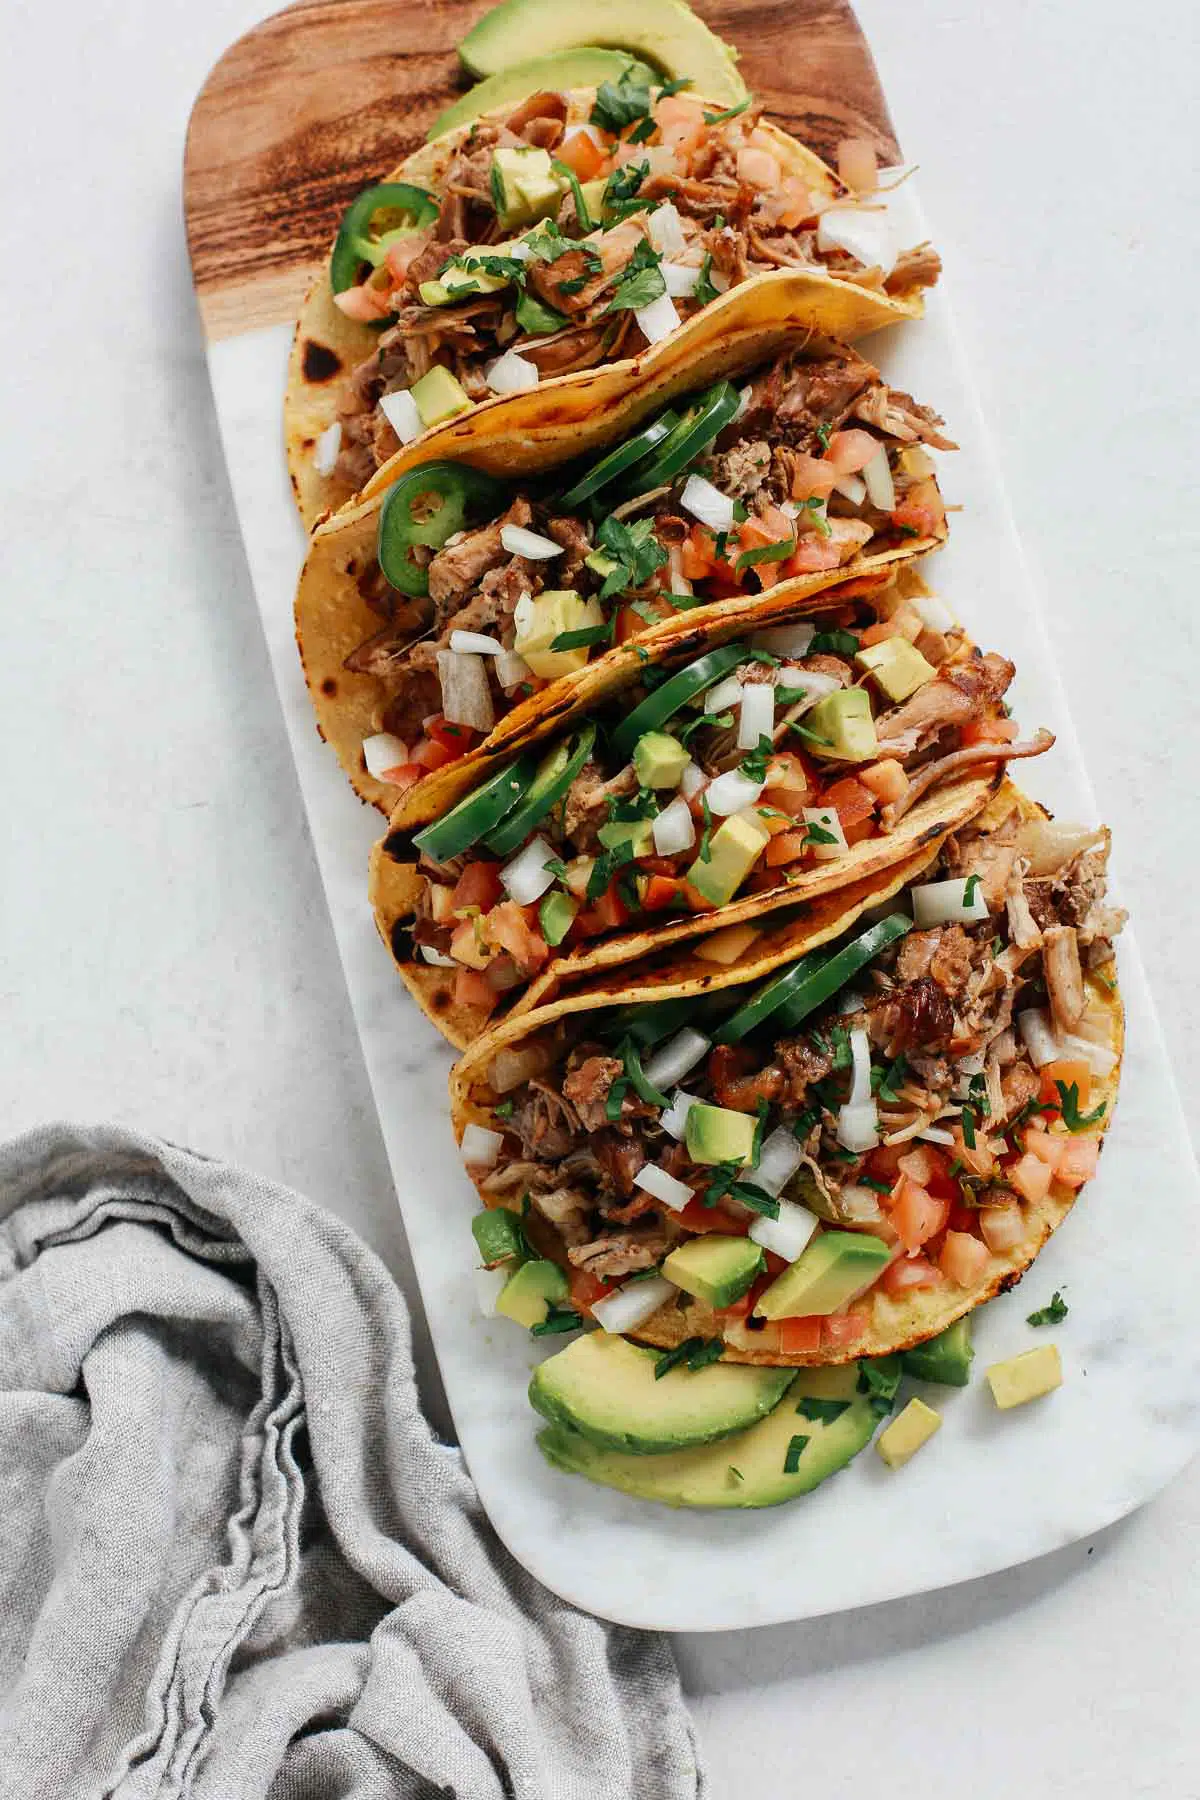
column 165, row 958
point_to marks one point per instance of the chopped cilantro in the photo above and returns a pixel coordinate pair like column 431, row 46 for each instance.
column 643, row 131
column 537, row 318
column 641, row 280
column 505, row 1109
column 706, row 837
column 704, row 291
column 618, row 103
column 972, row 882
column 834, row 643
column 1073, row 1119
column 1052, row 1314
column 567, row 174
column 803, row 1123
column 635, row 550
column 736, row 1473
column 796, row 1448
column 558, row 1318
column 888, row 1082
column 584, row 637
column 762, row 1108
column 869, row 1181
column 819, row 834
column 731, row 112
column 616, row 1099
column 824, row 433
column 823, row 1411
column 968, row 1127
column 645, row 1090
column 879, row 1378
column 766, row 553
column 754, row 764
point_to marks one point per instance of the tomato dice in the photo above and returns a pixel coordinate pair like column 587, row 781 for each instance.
column 909, row 1272
column 473, row 989
column 457, row 739
column 1072, row 1072
column 915, row 1215
column 478, row 885
column 586, row 1289
column 840, row 1329
column 1031, row 1177
column 963, row 1258
column 799, row 1337
column 852, row 801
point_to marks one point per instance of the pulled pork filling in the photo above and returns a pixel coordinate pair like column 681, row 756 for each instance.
column 696, row 818
column 984, row 1040
column 678, row 205
column 788, row 471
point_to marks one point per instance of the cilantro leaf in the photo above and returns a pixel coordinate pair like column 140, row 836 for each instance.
column 766, row 553
column 1073, row 1119
column 641, row 280
column 536, row 317
column 731, row 112
column 834, row 643
column 704, row 291
column 795, row 1451
column 1052, row 1314
column 585, row 636
column 754, row 764
column 618, row 103
column 635, row 550
column 557, row 1319
column 823, row 1411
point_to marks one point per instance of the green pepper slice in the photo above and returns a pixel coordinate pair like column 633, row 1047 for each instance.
column 623, row 457
column 477, row 813
column 354, row 244
column 553, row 776
column 703, row 422
column 807, row 984
column 663, row 702
column 426, row 506
column 650, row 1024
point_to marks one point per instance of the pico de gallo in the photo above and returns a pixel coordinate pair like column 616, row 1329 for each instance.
column 730, row 775
column 488, row 593
column 577, row 232
column 906, row 1111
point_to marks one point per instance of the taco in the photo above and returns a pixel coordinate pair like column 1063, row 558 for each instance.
column 844, row 1158
column 583, row 228
column 459, row 609
column 704, row 791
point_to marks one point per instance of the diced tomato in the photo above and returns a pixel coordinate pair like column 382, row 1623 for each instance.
column 478, row 885
column 853, row 801
column 788, row 847
column 1031, row 1177
column 1048, row 1146
column 1080, row 1160
column 839, row 1329
column 787, row 772
column 811, row 556
column 586, row 1288
column 508, row 927
column 963, row 1259
column 862, row 828
column 472, row 989
column 680, row 122
column 850, row 451
column 886, row 780
column 979, row 1158
column 883, row 1163
column 963, row 1218
column 799, row 1337
column 879, row 632
column 919, row 1163
column 662, row 892
column 697, row 553
column 608, row 912
column 431, row 755
column 922, row 520
column 1003, row 1227
column 629, row 623
column 581, row 153
column 695, row 1216
column 404, row 776
column 915, row 1215
column 403, row 253
column 456, row 739
column 990, row 731
column 812, row 477
column 909, row 1272
column 364, row 304
column 1071, row 1072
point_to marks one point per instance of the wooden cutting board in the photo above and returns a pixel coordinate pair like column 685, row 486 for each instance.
column 328, row 95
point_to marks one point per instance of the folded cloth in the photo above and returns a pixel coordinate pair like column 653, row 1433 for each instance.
column 234, row 1561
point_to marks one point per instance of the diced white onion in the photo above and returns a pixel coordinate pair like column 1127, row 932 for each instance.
column 672, row 1192
column 633, row 1304
column 859, row 1205
column 778, row 1160
column 1049, row 843
column 852, row 488
column 865, row 234
column 972, row 1065
column 877, row 478
column 815, row 684
column 677, row 1058
column 858, row 1128
column 400, row 411
column 1102, row 1060
column 1037, row 1034
column 430, row 955
column 475, row 643
column 674, row 1120
column 481, row 1147
column 382, row 752
column 658, row 320
column 692, row 780
column 526, row 878
column 788, row 1235
column 489, row 1285
column 531, row 544
column 757, row 716
column 745, row 396
column 860, row 1056
column 511, row 669
column 785, row 640
column 666, row 230
column 682, row 279
column 707, row 503
column 512, row 374
column 466, row 692
column 327, row 449
column 674, row 828
column 945, row 902
column 934, row 613
column 829, row 820
column 731, row 793
column 723, row 694
column 661, row 157
column 936, row 1135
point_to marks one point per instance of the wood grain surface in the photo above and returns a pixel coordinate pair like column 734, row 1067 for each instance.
column 328, row 95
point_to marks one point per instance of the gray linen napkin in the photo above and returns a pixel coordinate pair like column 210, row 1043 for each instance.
column 233, row 1559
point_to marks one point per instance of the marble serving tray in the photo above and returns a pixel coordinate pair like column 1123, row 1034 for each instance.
column 992, row 1490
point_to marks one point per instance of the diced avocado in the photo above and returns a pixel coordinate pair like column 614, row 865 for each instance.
column 945, row 1358
column 634, row 835
column 435, row 293
column 600, row 563
column 605, row 1389
column 586, row 67
column 1025, row 1377
column 497, row 1233
column 666, row 32
column 735, row 847
column 556, row 915
column 836, row 1266
column 593, row 197
column 715, row 1134
column 783, row 1456
column 438, row 395
column 659, row 759
column 906, row 1433
column 524, row 185
column 713, row 1267
column 553, row 613
column 531, row 1291
column 841, row 726
column 897, row 666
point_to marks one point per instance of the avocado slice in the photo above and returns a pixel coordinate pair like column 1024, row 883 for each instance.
column 762, row 1466
column 834, row 1268
column 438, row 395
column 735, row 847
column 897, row 666
column 717, row 1134
column 666, row 33
column 524, row 186
column 842, row 728
column 636, row 836
column 603, row 1391
column 659, row 759
column 586, row 66
column 945, row 1358
column 713, row 1267
column 552, row 615
column 531, row 1291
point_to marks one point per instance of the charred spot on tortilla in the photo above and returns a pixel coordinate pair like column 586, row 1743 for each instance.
column 401, row 940
column 319, row 362
column 329, row 687
column 441, row 1000
column 1008, row 1282
column 398, row 845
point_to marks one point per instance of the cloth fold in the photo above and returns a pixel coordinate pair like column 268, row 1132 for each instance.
column 234, row 1561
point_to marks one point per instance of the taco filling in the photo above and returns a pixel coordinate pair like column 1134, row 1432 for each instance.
column 903, row 1113
column 739, row 773
column 488, row 594
column 570, row 236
